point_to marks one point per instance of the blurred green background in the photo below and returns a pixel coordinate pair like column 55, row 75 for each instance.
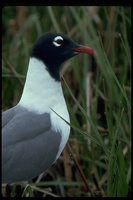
column 99, row 102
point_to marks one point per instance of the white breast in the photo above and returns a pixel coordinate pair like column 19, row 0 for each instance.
column 60, row 125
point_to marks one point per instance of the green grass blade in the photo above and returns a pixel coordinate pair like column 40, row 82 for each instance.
column 28, row 191
column 116, row 167
column 89, row 119
column 53, row 18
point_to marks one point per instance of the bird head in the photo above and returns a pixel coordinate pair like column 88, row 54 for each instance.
column 55, row 48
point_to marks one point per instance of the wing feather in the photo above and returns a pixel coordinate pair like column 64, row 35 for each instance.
column 27, row 139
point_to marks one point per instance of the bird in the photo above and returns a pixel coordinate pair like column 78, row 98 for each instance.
column 34, row 133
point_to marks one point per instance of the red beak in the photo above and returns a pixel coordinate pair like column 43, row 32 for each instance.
column 84, row 49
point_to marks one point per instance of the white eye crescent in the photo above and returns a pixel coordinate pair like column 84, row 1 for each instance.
column 58, row 41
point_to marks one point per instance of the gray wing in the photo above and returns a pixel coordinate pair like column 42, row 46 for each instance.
column 7, row 116
column 29, row 145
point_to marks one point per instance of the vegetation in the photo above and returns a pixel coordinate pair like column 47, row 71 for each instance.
column 97, row 158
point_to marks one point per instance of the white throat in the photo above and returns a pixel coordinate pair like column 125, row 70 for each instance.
column 41, row 91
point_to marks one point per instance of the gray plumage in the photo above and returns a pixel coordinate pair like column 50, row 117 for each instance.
column 28, row 143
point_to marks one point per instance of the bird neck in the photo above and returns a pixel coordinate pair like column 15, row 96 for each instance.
column 41, row 91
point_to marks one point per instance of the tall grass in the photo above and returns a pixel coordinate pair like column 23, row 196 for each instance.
column 97, row 91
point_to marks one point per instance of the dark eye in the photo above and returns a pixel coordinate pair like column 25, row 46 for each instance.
column 58, row 41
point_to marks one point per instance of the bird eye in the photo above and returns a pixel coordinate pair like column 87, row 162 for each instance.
column 58, row 41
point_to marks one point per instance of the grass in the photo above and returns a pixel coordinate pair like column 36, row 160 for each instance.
column 97, row 91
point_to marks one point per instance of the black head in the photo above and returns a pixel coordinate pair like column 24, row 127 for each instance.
column 55, row 48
